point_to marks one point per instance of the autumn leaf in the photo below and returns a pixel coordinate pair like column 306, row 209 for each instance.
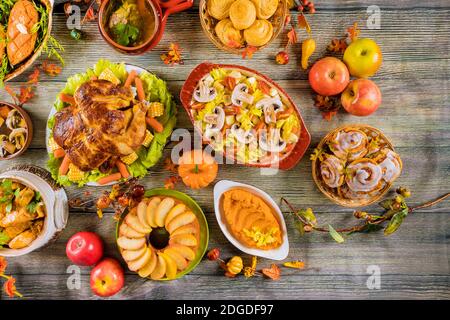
column 328, row 115
column 26, row 93
column 67, row 9
column 292, row 37
column 11, row 92
column 170, row 183
column 89, row 16
column 51, row 68
column 273, row 272
column 170, row 166
column 173, row 56
column 328, row 105
column 3, row 264
column 353, row 32
column 10, row 288
column 33, row 78
column 248, row 52
column 335, row 235
column 294, row 264
column 337, row 46
column 303, row 23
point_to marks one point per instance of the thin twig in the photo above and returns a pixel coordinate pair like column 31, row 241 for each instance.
column 430, row 203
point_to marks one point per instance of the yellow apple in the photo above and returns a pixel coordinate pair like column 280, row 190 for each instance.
column 363, row 58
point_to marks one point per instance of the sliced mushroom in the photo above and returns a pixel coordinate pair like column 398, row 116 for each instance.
column 240, row 95
column 271, row 142
column 204, row 93
column 17, row 137
column 14, row 120
column 215, row 120
column 243, row 136
column 270, row 106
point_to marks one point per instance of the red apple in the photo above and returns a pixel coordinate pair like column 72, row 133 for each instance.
column 107, row 278
column 361, row 98
column 84, row 248
column 329, row 76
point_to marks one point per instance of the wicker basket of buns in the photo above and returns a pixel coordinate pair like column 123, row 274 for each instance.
column 234, row 25
column 355, row 165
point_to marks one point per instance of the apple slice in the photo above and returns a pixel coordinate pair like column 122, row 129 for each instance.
column 151, row 210
column 181, row 220
column 171, row 266
column 133, row 221
column 177, row 257
column 130, row 255
column 160, row 269
column 184, row 239
column 162, row 211
column 184, row 251
column 130, row 243
column 141, row 214
column 186, row 229
column 126, row 231
column 146, row 270
column 137, row 264
column 175, row 211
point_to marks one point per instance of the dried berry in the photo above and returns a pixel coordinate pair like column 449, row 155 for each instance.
column 282, row 57
column 213, row 254
column 123, row 201
column 307, row 228
column 137, row 192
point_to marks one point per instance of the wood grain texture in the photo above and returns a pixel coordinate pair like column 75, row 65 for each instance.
column 415, row 114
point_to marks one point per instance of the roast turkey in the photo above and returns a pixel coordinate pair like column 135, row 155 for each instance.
column 104, row 122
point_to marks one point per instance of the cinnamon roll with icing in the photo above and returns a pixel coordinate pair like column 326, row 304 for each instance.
column 349, row 144
column 364, row 175
column 390, row 164
column 332, row 171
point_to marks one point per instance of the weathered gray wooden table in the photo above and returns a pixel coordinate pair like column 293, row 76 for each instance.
column 414, row 80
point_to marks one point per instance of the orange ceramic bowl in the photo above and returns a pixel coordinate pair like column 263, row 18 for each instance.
column 161, row 10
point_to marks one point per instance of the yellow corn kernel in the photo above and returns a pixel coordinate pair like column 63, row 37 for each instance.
column 148, row 139
column 129, row 159
column 108, row 75
column 74, row 173
column 53, row 145
column 156, row 109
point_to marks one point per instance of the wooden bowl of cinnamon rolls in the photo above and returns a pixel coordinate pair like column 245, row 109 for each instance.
column 233, row 25
column 355, row 165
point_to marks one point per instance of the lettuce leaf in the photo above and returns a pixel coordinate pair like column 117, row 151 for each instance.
column 156, row 90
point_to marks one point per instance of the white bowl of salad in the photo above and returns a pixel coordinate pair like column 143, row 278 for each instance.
column 245, row 116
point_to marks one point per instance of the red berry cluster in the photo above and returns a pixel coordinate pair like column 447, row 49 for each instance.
column 307, row 6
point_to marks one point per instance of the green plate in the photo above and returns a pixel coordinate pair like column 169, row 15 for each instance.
column 195, row 208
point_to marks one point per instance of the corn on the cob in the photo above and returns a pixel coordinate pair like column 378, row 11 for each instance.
column 129, row 159
column 148, row 139
column 156, row 109
column 52, row 144
column 108, row 75
column 74, row 173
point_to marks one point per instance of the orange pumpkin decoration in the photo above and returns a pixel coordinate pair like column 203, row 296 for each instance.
column 197, row 169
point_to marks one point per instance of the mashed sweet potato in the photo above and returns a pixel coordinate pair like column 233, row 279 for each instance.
column 250, row 219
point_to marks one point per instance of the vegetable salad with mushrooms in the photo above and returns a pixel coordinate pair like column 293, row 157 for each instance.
column 244, row 117
column 13, row 131
column 22, row 214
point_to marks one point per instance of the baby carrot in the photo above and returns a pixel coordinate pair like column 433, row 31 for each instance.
column 122, row 169
column 152, row 122
column 110, row 178
column 67, row 98
column 59, row 153
column 130, row 78
column 64, row 167
column 139, row 88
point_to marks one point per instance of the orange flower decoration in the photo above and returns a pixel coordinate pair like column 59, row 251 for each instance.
column 10, row 288
column 3, row 265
